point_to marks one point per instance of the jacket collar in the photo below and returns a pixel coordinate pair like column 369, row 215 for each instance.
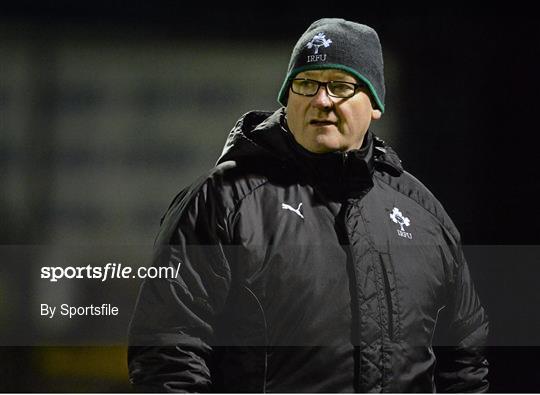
column 264, row 138
column 335, row 172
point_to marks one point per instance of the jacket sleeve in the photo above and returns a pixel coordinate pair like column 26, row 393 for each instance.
column 172, row 331
column 461, row 363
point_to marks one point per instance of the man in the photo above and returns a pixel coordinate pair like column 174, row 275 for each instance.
column 310, row 260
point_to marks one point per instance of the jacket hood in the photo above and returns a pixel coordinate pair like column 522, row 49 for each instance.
column 264, row 136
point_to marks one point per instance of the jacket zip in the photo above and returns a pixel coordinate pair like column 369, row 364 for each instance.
column 345, row 242
column 344, row 172
column 386, row 284
column 387, row 292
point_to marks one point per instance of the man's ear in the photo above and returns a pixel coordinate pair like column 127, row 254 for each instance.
column 376, row 114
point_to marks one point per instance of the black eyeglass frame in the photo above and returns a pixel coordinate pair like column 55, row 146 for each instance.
column 319, row 83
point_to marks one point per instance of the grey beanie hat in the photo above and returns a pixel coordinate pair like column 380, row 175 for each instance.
column 333, row 43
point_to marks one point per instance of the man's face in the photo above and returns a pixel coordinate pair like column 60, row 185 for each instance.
column 323, row 123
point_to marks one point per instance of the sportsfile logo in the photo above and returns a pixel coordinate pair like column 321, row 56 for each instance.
column 108, row 272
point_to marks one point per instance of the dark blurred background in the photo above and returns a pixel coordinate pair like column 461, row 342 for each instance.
column 108, row 110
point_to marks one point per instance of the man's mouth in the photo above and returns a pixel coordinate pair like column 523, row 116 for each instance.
column 321, row 122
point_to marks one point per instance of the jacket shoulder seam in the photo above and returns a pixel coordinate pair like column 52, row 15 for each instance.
column 237, row 204
column 238, row 200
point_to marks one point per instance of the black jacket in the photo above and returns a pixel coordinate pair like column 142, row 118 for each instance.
column 307, row 272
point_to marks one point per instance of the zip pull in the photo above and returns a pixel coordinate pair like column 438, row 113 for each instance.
column 345, row 157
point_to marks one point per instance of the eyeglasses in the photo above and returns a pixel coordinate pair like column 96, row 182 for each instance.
column 341, row 89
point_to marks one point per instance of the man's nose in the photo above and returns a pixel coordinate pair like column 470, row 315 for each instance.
column 321, row 99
